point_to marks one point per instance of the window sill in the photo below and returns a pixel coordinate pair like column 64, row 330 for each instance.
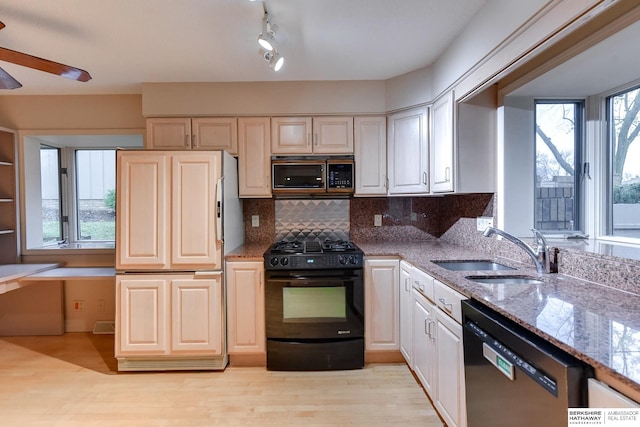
column 618, row 251
column 74, row 248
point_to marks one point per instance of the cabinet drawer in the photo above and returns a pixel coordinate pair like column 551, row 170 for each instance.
column 423, row 283
column 448, row 300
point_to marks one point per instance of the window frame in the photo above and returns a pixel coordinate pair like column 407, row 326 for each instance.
column 604, row 182
column 67, row 142
column 579, row 147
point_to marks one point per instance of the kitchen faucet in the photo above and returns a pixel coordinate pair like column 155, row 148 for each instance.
column 541, row 257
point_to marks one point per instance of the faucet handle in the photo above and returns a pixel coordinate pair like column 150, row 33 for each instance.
column 540, row 240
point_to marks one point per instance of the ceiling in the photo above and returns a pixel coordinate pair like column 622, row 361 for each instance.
column 123, row 43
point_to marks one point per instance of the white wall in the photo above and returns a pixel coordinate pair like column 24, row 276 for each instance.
column 263, row 98
column 516, row 160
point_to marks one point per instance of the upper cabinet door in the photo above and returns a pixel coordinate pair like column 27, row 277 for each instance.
column 408, row 152
column 142, row 201
column 291, row 135
column 254, row 157
column 442, row 137
column 193, row 219
column 370, row 152
column 215, row 133
column 333, row 135
column 168, row 133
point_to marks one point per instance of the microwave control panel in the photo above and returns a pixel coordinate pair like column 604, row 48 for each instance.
column 340, row 175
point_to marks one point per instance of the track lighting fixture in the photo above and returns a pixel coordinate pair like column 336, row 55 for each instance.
column 266, row 38
column 267, row 42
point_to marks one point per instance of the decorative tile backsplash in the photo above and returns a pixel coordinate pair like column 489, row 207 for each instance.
column 312, row 219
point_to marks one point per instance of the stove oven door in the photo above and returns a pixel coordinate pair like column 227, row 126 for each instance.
column 314, row 304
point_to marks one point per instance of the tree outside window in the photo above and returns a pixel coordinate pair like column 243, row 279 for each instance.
column 624, row 126
column 558, row 142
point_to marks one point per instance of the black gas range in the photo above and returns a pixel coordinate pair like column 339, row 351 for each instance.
column 313, row 254
column 314, row 305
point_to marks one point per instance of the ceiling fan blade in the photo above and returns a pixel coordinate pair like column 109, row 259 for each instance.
column 8, row 82
column 45, row 65
column 2, row 25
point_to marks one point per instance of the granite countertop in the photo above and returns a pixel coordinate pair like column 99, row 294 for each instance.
column 597, row 324
column 248, row 252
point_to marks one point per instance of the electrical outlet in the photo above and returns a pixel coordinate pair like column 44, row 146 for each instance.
column 377, row 220
column 482, row 222
column 255, row 220
column 414, row 216
column 78, row 305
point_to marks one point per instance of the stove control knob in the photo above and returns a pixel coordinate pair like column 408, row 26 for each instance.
column 352, row 259
column 284, row 261
column 273, row 261
column 342, row 259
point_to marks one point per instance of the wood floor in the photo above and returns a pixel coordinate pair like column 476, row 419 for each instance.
column 72, row 381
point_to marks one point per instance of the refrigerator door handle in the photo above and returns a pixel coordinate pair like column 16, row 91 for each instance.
column 219, row 235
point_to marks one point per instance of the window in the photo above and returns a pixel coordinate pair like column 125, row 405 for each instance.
column 90, row 196
column 69, row 186
column 623, row 119
column 95, row 194
column 51, row 194
column 558, row 148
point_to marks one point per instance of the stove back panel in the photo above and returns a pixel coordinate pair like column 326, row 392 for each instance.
column 312, row 219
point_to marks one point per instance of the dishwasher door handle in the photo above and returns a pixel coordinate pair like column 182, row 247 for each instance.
column 504, row 366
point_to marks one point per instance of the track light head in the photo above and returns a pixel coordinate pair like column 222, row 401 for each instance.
column 266, row 39
column 274, row 59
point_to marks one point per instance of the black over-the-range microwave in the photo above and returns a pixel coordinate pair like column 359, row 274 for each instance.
column 309, row 175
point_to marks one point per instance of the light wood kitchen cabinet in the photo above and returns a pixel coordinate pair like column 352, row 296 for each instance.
column 406, row 312
column 408, row 152
column 166, row 210
column 169, row 315
column 603, row 396
column 333, row 135
column 438, row 358
column 424, row 341
column 307, row 135
column 382, row 304
column 9, row 253
column 449, row 397
column 441, row 144
column 370, row 154
column 254, row 157
column 449, row 394
column 245, row 307
column 183, row 133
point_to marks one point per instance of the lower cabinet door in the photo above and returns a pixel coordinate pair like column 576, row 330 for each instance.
column 196, row 315
column 169, row 314
column 382, row 304
column 245, row 307
column 141, row 308
column 424, row 351
column 450, row 392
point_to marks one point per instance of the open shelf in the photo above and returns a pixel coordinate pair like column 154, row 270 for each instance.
column 8, row 189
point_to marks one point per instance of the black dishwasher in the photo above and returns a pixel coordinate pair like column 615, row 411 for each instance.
column 515, row 378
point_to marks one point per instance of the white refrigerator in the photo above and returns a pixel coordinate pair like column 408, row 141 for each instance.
column 177, row 215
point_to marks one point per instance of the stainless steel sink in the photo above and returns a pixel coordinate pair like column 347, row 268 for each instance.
column 505, row 280
column 471, row 265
